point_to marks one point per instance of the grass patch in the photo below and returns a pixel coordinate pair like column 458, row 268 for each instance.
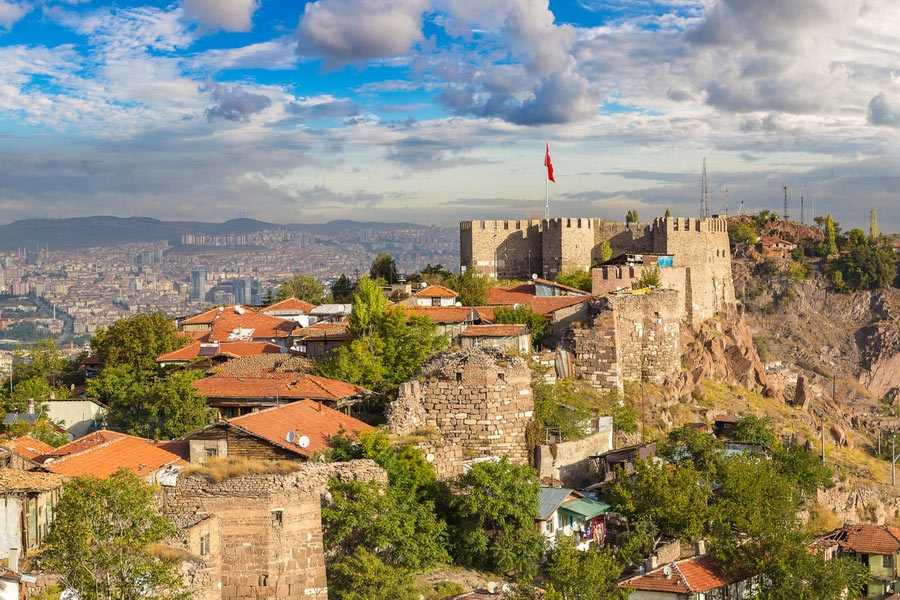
column 223, row 468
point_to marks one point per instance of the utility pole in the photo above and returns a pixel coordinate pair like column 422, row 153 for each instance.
column 802, row 213
column 704, row 192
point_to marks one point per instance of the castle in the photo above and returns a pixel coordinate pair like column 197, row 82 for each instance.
column 694, row 254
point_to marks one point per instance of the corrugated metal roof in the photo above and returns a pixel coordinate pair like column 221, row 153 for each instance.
column 549, row 500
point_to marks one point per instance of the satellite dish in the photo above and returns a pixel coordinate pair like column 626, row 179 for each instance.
column 303, row 442
column 290, row 437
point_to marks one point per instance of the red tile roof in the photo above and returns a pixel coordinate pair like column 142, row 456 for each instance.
column 324, row 331
column 865, row 538
column 441, row 315
column 436, row 291
column 696, row 575
column 229, row 349
column 306, row 417
column 262, row 326
column 494, row 331
column 290, row 304
column 277, row 385
column 210, row 315
column 542, row 305
column 27, row 446
column 102, row 453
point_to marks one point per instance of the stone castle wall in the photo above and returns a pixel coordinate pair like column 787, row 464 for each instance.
column 505, row 249
column 270, row 527
column 631, row 337
column 470, row 405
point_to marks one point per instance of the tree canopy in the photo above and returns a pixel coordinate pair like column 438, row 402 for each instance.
column 342, row 290
column 103, row 537
column 384, row 267
column 577, row 279
column 303, row 287
column 471, row 287
column 135, row 342
column 538, row 325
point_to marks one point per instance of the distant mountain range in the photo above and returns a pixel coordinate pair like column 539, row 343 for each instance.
column 81, row 232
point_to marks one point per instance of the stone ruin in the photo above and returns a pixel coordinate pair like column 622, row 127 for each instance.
column 467, row 406
column 257, row 535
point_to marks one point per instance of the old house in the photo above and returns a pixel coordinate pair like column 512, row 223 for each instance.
column 321, row 338
column 563, row 511
column 102, row 453
column 512, row 338
column 333, row 313
column 292, row 309
column 29, row 499
column 450, row 320
column 875, row 546
column 434, row 295
column 696, row 578
column 775, row 247
column 562, row 311
column 24, row 450
column 622, row 459
column 78, row 417
column 296, row 431
column 215, row 352
column 238, row 324
column 234, row 396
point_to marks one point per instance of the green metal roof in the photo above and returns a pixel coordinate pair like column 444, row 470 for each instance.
column 586, row 507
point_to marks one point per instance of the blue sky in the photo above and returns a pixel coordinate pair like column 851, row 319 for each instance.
column 437, row 110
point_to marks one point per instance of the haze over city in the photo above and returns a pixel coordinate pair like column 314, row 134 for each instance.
column 432, row 110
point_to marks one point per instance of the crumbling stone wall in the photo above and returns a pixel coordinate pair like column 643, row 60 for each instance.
column 631, row 337
column 467, row 405
column 270, row 527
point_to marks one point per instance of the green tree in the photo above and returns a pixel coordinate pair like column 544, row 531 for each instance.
column 577, row 575
column 687, row 446
column 384, row 267
column 751, row 429
column 158, row 409
column 576, row 279
column 303, row 287
column 137, row 341
column 364, row 576
column 389, row 348
column 538, row 325
column 568, row 405
column 102, row 538
column 866, row 264
column 471, row 287
column 42, row 429
column 605, row 251
column 649, row 278
column 742, row 232
column 631, row 217
column 674, row 498
column 493, row 514
column 830, row 237
column 342, row 290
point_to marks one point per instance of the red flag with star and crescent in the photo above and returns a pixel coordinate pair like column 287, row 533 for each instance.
column 548, row 162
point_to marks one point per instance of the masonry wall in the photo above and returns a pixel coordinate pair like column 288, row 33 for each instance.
column 475, row 404
column 568, row 244
column 569, row 463
column 270, row 526
column 505, row 249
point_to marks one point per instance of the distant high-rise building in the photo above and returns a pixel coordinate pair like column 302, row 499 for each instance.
column 199, row 284
column 243, row 291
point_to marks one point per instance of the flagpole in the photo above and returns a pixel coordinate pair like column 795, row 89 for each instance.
column 547, row 207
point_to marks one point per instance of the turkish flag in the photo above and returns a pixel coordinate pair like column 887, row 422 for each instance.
column 548, row 162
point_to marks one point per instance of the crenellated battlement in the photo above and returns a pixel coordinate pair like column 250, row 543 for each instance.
column 568, row 223
column 690, row 224
column 500, row 224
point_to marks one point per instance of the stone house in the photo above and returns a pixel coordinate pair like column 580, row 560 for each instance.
column 775, row 247
column 561, row 311
column 563, row 511
column 696, row 578
column 29, row 499
column 296, row 431
column 24, row 450
column 511, row 338
column 875, row 546
column 234, row 396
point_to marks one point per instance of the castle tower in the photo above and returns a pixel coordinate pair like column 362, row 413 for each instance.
column 568, row 245
column 503, row 249
column 476, row 404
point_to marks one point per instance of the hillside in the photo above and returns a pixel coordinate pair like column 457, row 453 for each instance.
column 80, row 232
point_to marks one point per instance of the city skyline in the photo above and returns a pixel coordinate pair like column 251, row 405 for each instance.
column 431, row 111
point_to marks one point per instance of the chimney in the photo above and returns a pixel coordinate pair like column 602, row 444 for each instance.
column 652, row 562
column 31, row 406
column 14, row 560
column 701, row 547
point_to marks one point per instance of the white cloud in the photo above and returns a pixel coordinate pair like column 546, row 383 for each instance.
column 11, row 12
column 230, row 15
column 345, row 31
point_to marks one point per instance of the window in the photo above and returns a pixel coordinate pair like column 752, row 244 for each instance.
column 263, row 580
column 435, row 301
column 459, row 376
column 212, row 452
column 889, row 561
column 278, row 518
column 204, row 545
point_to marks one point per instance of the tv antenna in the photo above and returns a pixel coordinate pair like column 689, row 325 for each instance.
column 785, row 202
column 704, row 192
